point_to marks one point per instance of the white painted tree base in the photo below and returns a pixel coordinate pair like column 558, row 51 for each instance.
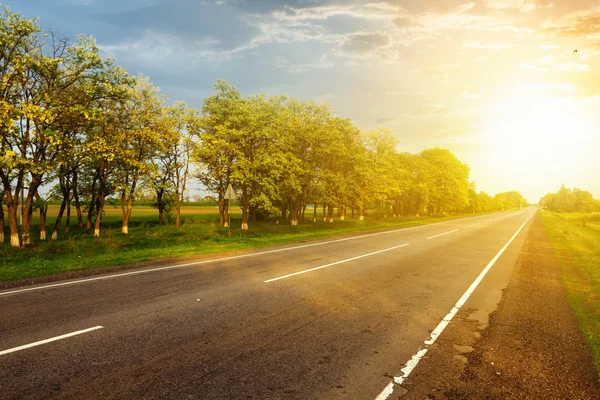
column 14, row 240
column 125, row 230
column 226, row 225
column 361, row 218
column 96, row 232
column 54, row 235
column 1, row 237
column 42, row 235
column 244, row 226
column 331, row 220
column 342, row 218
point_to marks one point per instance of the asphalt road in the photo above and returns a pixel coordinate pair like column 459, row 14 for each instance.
column 327, row 320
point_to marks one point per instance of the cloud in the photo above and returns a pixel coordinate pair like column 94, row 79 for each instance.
column 283, row 62
column 580, row 23
column 486, row 44
column 369, row 11
column 471, row 95
column 159, row 48
column 523, row 5
column 383, row 120
column 556, row 63
column 367, row 45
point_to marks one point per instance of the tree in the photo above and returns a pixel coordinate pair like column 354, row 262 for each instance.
column 223, row 117
column 449, row 186
column 18, row 42
column 139, row 141
column 184, row 124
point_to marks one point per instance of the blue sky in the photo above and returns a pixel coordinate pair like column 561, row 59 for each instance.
column 495, row 81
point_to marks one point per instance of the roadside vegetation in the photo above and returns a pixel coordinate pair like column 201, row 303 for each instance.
column 575, row 238
column 199, row 234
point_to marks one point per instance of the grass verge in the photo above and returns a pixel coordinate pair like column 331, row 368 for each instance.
column 200, row 234
column 576, row 240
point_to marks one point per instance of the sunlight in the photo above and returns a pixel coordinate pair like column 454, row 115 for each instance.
column 535, row 137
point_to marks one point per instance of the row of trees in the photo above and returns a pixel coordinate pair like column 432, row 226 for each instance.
column 70, row 117
column 73, row 120
column 567, row 200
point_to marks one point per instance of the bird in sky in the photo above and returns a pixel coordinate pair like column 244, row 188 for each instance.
column 574, row 51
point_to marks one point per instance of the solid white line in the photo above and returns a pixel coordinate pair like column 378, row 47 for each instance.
column 414, row 360
column 103, row 277
column 472, row 225
column 54, row 339
column 442, row 234
column 335, row 263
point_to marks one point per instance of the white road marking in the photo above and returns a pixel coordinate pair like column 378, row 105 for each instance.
column 54, row 339
column 442, row 234
column 471, row 226
column 335, row 263
column 103, row 277
column 496, row 219
column 414, row 360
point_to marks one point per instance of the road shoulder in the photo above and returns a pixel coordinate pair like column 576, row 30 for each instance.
column 531, row 349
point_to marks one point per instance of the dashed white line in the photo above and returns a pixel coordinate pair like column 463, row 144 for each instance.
column 414, row 360
column 335, row 263
column 442, row 234
column 54, row 339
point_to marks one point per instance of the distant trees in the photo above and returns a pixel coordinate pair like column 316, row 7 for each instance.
column 567, row 200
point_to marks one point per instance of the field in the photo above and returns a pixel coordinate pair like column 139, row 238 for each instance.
column 147, row 240
column 576, row 240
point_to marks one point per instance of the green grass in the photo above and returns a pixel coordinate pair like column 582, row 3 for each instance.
column 576, row 240
column 200, row 234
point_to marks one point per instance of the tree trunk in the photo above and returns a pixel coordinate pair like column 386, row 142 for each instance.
column 293, row 215
column 27, row 209
column 68, row 217
column 12, row 206
column 362, row 213
column 43, row 211
column 93, row 200
column 160, row 206
column 245, row 202
column 12, row 223
column 330, row 213
column 315, row 214
column 77, row 201
column 226, row 213
column 343, row 213
column 221, row 205
column 100, row 208
column 1, row 222
column 283, row 213
column 178, row 210
column 126, row 218
column 324, row 213
column 61, row 211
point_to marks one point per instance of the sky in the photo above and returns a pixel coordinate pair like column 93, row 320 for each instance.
column 495, row 81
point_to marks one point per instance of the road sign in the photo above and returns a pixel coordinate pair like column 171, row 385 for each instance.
column 229, row 193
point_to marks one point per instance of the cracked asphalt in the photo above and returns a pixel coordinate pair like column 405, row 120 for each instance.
column 217, row 331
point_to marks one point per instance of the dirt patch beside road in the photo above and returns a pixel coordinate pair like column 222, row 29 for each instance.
column 532, row 348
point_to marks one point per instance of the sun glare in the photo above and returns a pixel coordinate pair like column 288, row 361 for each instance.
column 532, row 138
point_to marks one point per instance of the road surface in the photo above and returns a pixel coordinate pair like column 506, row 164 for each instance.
column 338, row 319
